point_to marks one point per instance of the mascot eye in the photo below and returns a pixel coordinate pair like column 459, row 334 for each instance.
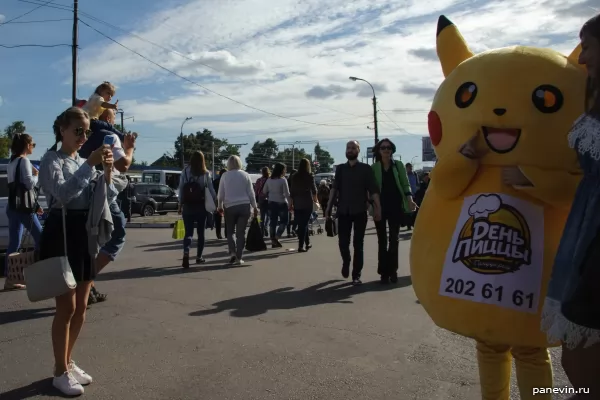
column 465, row 95
column 547, row 98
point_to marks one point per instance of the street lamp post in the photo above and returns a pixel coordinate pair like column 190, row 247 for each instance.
column 353, row 78
column 181, row 139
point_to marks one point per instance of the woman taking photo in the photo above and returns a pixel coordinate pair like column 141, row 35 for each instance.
column 195, row 178
column 20, row 216
column 304, row 194
column 572, row 308
column 66, row 180
column 235, row 197
column 280, row 203
column 396, row 199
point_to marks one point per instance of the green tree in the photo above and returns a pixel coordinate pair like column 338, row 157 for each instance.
column 6, row 137
column 15, row 128
column 324, row 159
column 203, row 141
column 262, row 154
column 4, row 146
column 291, row 160
column 144, row 163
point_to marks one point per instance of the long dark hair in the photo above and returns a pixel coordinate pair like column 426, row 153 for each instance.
column 377, row 148
column 304, row 171
column 278, row 171
column 19, row 144
column 592, row 92
column 197, row 164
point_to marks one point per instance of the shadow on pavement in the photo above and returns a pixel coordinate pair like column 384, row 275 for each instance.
column 287, row 298
column 9, row 317
column 210, row 265
column 40, row 388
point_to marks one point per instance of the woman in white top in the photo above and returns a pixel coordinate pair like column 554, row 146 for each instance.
column 235, row 196
column 20, row 215
column 280, row 201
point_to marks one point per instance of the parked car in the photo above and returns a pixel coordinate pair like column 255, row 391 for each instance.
column 151, row 198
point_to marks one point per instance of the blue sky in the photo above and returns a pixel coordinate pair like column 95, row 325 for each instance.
column 286, row 57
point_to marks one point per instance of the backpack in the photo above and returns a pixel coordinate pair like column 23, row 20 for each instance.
column 193, row 192
column 323, row 191
column 260, row 184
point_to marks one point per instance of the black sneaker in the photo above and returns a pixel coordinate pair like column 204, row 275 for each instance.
column 384, row 279
column 200, row 260
column 394, row 278
column 232, row 260
column 308, row 247
column 356, row 282
column 186, row 261
column 346, row 271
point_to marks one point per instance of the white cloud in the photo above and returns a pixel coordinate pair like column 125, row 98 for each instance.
column 2, row 18
column 293, row 58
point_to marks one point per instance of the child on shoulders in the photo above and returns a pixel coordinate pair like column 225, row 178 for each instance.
column 100, row 100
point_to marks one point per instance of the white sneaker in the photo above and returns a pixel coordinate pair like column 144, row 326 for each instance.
column 239, row 262
column 67, row 384
column 80, row 375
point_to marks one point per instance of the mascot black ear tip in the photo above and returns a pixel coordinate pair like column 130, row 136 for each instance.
column 443, row 23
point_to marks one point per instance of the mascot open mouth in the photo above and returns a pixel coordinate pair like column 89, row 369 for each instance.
column 501, row 140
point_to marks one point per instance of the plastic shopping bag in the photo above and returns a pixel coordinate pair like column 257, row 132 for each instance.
column 255, row 240
column 178, row 230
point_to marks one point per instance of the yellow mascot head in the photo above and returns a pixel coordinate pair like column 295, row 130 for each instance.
column 514, row 96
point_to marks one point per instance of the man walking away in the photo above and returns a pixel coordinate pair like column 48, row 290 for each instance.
column 354, row 182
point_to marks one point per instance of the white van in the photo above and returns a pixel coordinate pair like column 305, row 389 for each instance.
column 324, row 175
column 163, row 177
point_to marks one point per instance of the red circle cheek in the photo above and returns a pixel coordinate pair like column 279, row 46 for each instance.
column 435, row 128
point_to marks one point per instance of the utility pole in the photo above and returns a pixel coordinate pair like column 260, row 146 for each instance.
column 181, row 139
column 74, row 48
column 375, row 117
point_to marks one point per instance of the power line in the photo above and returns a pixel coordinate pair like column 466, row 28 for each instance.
column 27, row 13
column 38, row 21
column 203, row 87
column 171, row 50
column 33, row 45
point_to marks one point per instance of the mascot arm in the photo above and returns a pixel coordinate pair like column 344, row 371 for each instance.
column 452, row 175
column 556, row 188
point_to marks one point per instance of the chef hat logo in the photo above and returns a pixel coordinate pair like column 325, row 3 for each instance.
column 485, row 205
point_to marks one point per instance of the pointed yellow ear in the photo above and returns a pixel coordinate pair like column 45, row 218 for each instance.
column 574, row 56
column 451, row 46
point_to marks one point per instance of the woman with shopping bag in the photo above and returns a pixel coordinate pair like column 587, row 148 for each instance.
column 197, row 199
column 22, row 209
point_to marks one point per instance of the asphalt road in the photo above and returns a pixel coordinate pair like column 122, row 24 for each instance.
column 283, row 326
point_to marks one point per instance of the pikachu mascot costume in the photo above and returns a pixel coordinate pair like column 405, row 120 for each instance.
column 489, row 226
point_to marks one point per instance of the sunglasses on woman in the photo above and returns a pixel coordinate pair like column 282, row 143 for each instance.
column 385, row 148
column 80, row 132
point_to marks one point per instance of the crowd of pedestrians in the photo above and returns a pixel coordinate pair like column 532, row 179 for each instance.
column 86, row 167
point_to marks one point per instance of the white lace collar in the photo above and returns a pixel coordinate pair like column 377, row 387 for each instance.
column 585, row 136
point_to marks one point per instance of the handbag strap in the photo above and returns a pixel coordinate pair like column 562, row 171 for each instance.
column 17, row 177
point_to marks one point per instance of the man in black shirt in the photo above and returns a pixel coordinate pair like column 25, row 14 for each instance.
column 353, row 183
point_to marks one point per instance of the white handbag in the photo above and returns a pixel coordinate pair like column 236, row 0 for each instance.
column 209, row 202
column 52, row 277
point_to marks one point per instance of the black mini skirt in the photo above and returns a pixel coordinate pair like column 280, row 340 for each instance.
column 51, row 243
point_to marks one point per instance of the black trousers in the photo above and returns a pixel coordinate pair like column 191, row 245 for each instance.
column 387, row 265
column 218, row 221
column 302, row 217
column 345, row 225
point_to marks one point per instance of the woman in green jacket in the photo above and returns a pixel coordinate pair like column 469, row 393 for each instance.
column 396, row 199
